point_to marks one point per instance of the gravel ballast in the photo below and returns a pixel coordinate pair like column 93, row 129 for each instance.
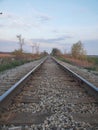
column 61, row 97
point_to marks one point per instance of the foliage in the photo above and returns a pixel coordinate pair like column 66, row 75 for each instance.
column 44, row 53
column 93, row 68
column 55, row 52
column 93, row 59
column 12, row 64
column 18, row 58
column 17, row 52
column 65, row 60
column 78, row 51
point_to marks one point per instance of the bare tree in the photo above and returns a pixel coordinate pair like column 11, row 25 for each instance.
column 1, row 13
column 21, row 42
column 37, row 48
column 33, row 46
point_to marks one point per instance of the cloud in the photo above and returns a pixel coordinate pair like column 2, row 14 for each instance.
column 2, row 25
column 32, row 19
column 40, row 16
column 43, row 17
column 52, row 40
column 6, row 15
column 55, row 31
column 12, row 21
column 49, row 43
column 10, row 18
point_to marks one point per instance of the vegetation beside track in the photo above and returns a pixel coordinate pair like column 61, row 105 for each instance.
column 77, row 57
column 9, row 61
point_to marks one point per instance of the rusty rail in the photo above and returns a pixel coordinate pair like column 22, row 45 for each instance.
column 7, row 96
column 89, row 87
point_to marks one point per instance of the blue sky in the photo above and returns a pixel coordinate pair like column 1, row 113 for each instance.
column 49, row 23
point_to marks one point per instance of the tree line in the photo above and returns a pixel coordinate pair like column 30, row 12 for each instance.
column 77, row 51
column 34, row 46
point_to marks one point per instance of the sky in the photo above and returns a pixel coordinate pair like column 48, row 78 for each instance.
column 50, row 24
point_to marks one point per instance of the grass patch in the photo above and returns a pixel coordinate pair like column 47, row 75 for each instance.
column 90, row 68
column 93, row 59
column 8, row 64
column 93, row 66
column 11, row 65
column 64, row 60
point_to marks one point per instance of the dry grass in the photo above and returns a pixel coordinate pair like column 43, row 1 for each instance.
column 82, row 63
column 5, row 55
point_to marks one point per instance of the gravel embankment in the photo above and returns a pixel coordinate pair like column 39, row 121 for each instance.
column 89, row 76
column 10, row 77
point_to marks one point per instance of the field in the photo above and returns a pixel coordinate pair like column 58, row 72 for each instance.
column 94, row 61
column 90, row 63
column 9, row 60
column 5, row 55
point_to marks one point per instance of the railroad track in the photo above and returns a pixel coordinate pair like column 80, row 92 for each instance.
column 10, row 77
column 50, row 99
column 92, row 77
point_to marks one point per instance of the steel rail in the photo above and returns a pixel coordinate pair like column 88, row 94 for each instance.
column 7, row 95
column 89, row 87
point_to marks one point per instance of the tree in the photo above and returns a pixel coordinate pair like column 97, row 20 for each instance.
column 35, row 48
column 21, row 42
column 55, row 52
column 1, row 13
column 44, row 53
column 78, row 51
